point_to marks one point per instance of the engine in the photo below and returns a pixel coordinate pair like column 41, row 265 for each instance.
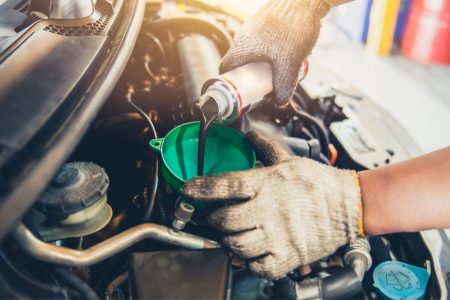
column 110, row 226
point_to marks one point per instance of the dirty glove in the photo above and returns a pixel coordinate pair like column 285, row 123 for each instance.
column 283, row 34
column 291, row 213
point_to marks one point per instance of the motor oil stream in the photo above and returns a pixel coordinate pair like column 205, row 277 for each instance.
column 209, row 113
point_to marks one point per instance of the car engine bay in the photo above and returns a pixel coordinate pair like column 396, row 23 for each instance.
column 109, row 226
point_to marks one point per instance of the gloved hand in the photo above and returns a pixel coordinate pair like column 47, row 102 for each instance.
column 291, row 213
column 283, row 34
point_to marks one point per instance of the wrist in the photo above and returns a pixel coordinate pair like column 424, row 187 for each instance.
column 376, row 219
column 361, row 230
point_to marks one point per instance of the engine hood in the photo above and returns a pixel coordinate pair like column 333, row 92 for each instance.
column 56, row 75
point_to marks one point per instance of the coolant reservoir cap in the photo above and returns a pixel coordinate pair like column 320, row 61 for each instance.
column 397, row 280
column 76, row 186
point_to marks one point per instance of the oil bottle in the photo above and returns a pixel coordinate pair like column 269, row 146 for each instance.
column 239, row 90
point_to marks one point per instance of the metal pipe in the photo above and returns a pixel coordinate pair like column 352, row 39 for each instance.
column 357, row 257
column 76, row 258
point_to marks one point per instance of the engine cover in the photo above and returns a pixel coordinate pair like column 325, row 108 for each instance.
column 181, row 274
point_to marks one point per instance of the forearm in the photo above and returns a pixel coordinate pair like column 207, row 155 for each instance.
column 409, row 196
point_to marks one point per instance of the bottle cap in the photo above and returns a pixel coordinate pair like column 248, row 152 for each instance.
column 397, row 280
column 184, row 212
column 226, row 97
column 76, row 186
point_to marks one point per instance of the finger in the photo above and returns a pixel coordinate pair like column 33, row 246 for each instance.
column 287, row 76
column 267, row 151
column 266, row 267
column 223, row 187
column 235, row 218
column 229, row 62
column 248, row 244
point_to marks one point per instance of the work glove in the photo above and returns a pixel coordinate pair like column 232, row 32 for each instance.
column 283, row 34
column 290, row 213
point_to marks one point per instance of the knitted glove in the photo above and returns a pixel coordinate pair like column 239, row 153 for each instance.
column 291, row 213
column 283, row 34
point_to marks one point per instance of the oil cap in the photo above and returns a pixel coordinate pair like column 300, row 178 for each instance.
column 76, row 186
column 397, row 280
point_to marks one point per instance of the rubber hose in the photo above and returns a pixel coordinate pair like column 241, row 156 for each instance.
column 343, row 284
column 324, row 140
column 18, row 283
column 75, row 283
column 323, row 159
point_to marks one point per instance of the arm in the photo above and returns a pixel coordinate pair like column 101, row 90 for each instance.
column 409, row 196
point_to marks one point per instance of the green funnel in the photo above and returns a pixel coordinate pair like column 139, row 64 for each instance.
column 226, row 150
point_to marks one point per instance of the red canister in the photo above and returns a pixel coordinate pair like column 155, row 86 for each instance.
column 427, row 33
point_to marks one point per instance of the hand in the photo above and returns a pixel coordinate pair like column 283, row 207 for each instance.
column 291, row 213
column 283, row 34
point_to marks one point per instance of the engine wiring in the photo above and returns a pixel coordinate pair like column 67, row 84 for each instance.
column 321, row 132
column 154, row 186
column 155, row 40
column 147, row 68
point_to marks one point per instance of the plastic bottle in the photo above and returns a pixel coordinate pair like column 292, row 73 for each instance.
column 239, row 90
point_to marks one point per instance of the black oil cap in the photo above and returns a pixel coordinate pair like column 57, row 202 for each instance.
column 76, row 186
